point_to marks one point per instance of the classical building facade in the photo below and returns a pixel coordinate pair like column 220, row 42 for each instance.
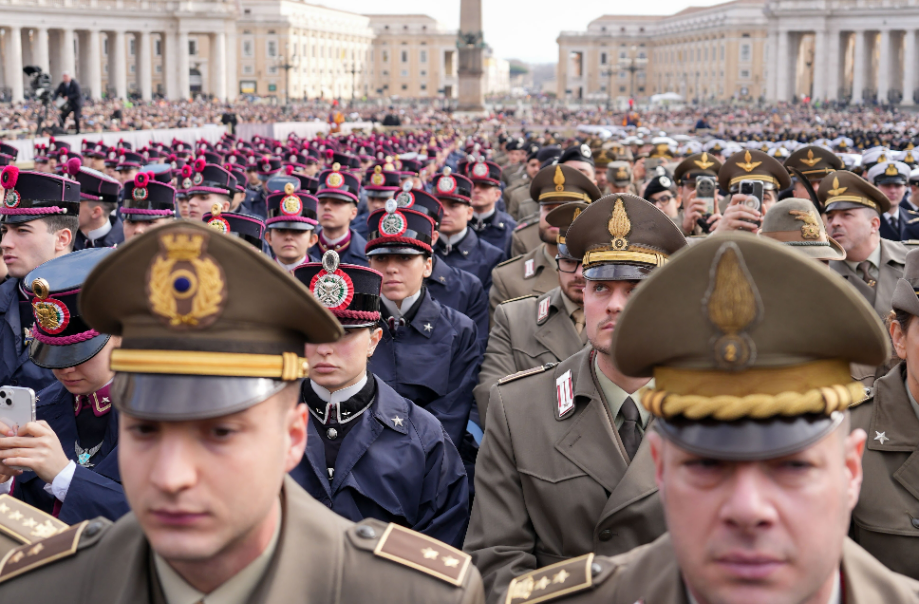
column 852, row 50
column 277, row 48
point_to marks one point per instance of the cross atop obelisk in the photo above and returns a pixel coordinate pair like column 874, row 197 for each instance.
column 471, row 45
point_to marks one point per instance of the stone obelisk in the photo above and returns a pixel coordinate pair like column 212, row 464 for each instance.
column 471, row 45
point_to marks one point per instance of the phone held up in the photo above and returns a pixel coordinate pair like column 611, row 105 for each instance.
column 705, row 191
column 753, row 189
column 17, row 408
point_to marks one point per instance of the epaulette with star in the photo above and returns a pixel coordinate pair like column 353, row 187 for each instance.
column 25, row 523
column 422, row 553
column 553, row 582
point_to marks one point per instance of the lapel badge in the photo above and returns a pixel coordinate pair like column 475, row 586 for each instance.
column 529, row 268
column 565, row 392
column 543, row 311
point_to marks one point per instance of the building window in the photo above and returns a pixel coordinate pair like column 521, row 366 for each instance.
column 192, row 47
column 133, row 67
column 158, row 47
column 622, row 89
column 105, row 46
column 131, row 46
column 248, row 49
column 404, row 73
column 602, row 58
column 273, row 70
column 272, row 48
column 405, row 56
column 722, row 52
column 424, row 73
column 385, row 72
column 745, row 53
column 385, row 56
column 248, row 69
column 159, row 69
column 404, row 86
column 744, row 74
column 424, row 86
column 423, row 56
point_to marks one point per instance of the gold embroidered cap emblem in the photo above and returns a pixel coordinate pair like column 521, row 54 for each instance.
column 622, row 173
column 810, row 229
column 837, row 190
column 748, row 164
column 619, row 226
column 891, row 170
column 732, row 305
column 811, row 161
column 559, row 179
column 186, row 288
column 703, row 162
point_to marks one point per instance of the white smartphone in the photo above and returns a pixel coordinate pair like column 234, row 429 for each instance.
column 17, row 408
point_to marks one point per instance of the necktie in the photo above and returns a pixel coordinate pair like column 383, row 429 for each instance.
column 578, row 317
column 629, row 432
column 864, row 268
column 894, row 223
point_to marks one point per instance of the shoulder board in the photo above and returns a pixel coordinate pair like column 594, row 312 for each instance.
column 914, row 212
column 64, row 544
column 509, row 261
column 553, row 582
column 25, row 523
column 425, row 554
column 532, row 371
column 910, row 242
column 912, row 221
column 517, row 298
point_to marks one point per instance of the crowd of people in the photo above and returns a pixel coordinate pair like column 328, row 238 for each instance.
column 485, row 362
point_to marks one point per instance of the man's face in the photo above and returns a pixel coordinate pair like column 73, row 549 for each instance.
column 667, row 203
column 238, row 198
column 800, row 191
column 517, row 156
column 764, row 531
column 125, row 176
column 602, row 182
column 252, row 177
column 28, row 244
column 851, row 228
column 200, row 204
column 336, row 365
column 585, row 168
column 90, row 376
column 89, row 213
column 133, row 228
column 769, row 199
column 377, row 203
column 403, row 275
column 684, row 191
column 182, row 205
column 532, row 168
column 914, row 193
column 603, row 302
column 290, row 245
column 336, row 213
column 484, row 197
column 617, row 189
column 572, row 284
column 894, row 192
column 547, row 233
column 181, row 478
column 66, row 78
column 456, row 216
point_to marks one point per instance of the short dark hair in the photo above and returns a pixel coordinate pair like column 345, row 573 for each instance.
column 107, row 206
column 59, row 222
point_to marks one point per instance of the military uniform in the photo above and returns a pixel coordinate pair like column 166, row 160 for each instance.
column 472, row 255
column 498, row 226
column 526, row 236
column 462, row 292
column 533, row 273
column 22, row 524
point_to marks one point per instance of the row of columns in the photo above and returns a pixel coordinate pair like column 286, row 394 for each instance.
column 176, row 64
column 829, row 60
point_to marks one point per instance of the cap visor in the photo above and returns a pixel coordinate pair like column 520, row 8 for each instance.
column 189, row 397
column 845, row 205
column 357, row 323
column 71, row 355
column 292, row 226
column 392, row 251
column 748, row 440
column 617, row 272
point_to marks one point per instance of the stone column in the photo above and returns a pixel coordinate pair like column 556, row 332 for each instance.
column 884, row 66
column 218, row 65
column 14, row 62
column 909, row 66
column 170, row 65
column 118, row 50
column 40, row 49
column 834, row 65
column 94, row 62
column 182, row 64
column 821, row 64
column 858, row 67
column 772, row 67
column 144, row 65
column 232, row 68
column 68, row 57
column 782, row 67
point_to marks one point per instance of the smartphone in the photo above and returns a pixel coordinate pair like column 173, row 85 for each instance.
column 705, row 191
column 753, row 189
column 17, row 408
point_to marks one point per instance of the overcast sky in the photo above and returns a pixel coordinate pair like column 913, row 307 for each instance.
column 520, row 29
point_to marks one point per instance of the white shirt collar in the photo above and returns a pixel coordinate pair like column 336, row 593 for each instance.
column 337, row 239
column 407, row 303
column 100, row 232
column 290, row 267
column 486, row 215
column 454, row 239
column 237, row 590
column 339, row 396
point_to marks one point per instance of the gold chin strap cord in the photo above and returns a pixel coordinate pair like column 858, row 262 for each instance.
column 287, row 366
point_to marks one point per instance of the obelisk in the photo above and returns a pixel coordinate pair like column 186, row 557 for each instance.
column 471, row 45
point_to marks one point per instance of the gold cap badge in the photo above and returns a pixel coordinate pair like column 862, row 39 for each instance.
column 619, row 226
column 732, row 305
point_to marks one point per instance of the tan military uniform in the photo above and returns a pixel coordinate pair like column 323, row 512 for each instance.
column 550, row 488
column 532, row 273
column 22, row 524
column 886, row 520
column 526, row 333
column 650, row 574
column 526, row 235
column 321, row 558
column 519, row 201
column 893, row 259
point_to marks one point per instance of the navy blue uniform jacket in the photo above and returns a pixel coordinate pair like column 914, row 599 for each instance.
column 472, row 255
column 462, row 292
column 15, row 367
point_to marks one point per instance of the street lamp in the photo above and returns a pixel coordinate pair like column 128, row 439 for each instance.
column 287, row 65
column 609, row 97
column 632, row 63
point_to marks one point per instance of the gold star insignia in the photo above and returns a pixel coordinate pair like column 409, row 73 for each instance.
column 429, row 553
column 44, row 530
column 36, row 549
column 749, row 165
column 17, row 557
column 542, row 583
column 29, row 522
column 811, row 160
column 15, row 515
column 450, row 562
column 561, row 576
column 4, row 508
column 837, row 190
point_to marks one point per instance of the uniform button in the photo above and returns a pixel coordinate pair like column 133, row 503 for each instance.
column 366, row 532
column 915, row 522
column 332, row 433
column 606, row 535
column 595, row 569
column 93, row 529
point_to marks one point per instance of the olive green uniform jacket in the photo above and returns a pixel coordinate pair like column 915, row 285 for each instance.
column 550, row 488
column 650, row 575
column 886, row 520
column 526, row 235
column 531, row 273
column 893, row 259
column 522, row 338
column 321, row 558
